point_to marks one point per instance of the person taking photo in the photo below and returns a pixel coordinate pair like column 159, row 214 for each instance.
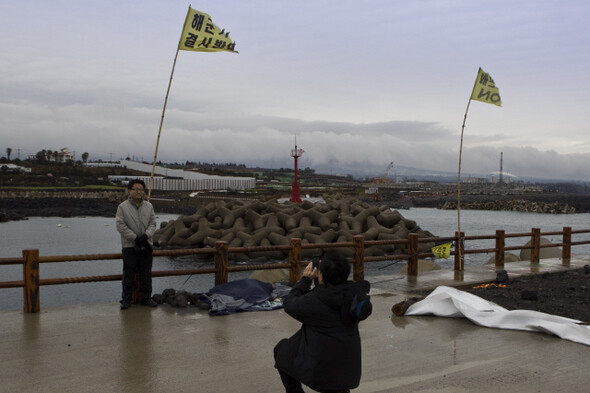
column 325, row 353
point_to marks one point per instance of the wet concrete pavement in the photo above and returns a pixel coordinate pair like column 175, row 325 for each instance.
column 98, row 348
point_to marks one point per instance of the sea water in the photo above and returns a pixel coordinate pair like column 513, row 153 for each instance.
column 98, row 235
column 84, row 235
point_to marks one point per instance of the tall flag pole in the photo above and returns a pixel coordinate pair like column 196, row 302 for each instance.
column 484, row 90
column 199, row 34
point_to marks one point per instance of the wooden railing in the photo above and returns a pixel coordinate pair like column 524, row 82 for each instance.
column 31, row 259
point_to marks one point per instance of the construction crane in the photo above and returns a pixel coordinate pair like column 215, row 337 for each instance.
column 383, row 179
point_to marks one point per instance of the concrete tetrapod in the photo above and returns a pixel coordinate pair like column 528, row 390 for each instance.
column 251, row 224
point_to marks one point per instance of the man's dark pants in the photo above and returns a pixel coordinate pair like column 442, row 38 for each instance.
column 142, row 262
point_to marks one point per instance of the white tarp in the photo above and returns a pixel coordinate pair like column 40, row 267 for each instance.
column 451, row 302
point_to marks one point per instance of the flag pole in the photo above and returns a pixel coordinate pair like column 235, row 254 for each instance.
column 164, row 108
column 161, row 123
column 459, row 182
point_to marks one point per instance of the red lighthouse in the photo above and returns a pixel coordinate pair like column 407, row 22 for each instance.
column 295, row 153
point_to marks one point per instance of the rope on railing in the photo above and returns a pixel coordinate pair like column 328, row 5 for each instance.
column 31, row 259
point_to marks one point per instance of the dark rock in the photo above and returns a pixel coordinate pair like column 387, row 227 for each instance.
column 168, row 292
column 158, row 298
column 180, row 300
column 587, row 269
column 502, row 276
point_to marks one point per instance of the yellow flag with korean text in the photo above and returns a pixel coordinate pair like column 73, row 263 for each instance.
column 442, row 250
column 200, row 34
column 485, row 90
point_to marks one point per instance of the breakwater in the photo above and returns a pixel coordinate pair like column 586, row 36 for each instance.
column 37, row 194
column 255, row 223
column 515, row 205
column 18, row 205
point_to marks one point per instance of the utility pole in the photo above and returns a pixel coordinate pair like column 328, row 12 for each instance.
column 295, row 153
column 501, row 166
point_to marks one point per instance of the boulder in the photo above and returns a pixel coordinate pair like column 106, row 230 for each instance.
column 551, row 252
column 508, row 257
column 424, row 265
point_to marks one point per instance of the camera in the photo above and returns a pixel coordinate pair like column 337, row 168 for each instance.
column 315, row 261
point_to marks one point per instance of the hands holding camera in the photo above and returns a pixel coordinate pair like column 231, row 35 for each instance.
column 311, row 271
column 142, row 244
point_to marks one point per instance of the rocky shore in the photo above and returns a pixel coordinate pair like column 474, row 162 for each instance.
column 516, row 205
column 18, row 205
column 542, row 202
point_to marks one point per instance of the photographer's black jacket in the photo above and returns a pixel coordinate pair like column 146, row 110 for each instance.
column 326, row 352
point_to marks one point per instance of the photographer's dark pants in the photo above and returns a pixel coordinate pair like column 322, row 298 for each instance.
column 142, row 263
column 291, row 384
column 294, row 386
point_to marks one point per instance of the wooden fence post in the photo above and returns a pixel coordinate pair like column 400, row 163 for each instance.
column 413, row 252
column 500, row 243
column 566, row 251
column 535, row 243
column 358, row 271
column 220, row 262
column 295, row 260
column 31, row 280
column 459, row 251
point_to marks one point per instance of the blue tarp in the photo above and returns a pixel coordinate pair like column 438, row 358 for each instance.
column 244, row 295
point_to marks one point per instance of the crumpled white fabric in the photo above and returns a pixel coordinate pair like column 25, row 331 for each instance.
column 451, row 302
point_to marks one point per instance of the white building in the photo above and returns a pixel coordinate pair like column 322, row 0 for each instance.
column 64, row 155
column 14, row 168
column 188, row 180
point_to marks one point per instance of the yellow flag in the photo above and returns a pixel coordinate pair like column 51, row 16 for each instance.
column 442, row 250
column 485, row 89
column 201, row 35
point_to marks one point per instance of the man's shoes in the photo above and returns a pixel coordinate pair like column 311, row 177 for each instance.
column 149, row 303
column 125, row 305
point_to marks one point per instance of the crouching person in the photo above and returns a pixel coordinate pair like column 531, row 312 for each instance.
column 325, row 353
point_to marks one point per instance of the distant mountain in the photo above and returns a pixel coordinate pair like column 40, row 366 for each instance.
column 362, row 170
column 367, row 170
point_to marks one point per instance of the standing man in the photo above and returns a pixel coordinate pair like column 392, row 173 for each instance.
column 136, row 222
column 325, row 354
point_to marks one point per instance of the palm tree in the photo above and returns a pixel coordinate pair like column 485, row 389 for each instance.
column 85, row 156
column 41, row 155
column 8, row 152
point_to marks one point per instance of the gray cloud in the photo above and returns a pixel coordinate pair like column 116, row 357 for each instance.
column 389, row 84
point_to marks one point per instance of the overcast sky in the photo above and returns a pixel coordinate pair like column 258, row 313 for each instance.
column 357, row 82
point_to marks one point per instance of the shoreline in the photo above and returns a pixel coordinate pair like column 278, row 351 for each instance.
column 71, row 205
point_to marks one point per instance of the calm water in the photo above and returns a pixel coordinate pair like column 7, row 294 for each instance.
column 83, row 235
column 93, row 235
column 480, row 222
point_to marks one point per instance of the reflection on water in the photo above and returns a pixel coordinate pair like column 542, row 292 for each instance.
column 137, row 363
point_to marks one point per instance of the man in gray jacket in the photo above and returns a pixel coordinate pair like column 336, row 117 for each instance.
column 136, row 222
